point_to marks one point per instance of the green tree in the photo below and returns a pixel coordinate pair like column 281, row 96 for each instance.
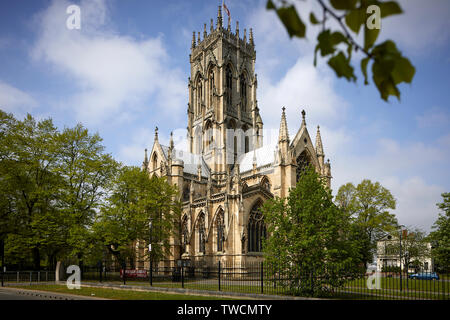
column 307, row 236
column 440, row 236
column 389, row 66
column 51, row 184
column 26, row 169
column 367, row 205
column 84, row 172
column 135, row 200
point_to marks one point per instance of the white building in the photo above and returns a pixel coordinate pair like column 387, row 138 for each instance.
column 388, row 255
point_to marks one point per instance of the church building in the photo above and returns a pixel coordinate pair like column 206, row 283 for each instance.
column 228, row 172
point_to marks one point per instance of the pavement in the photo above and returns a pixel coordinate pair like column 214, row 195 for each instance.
column 26, row 294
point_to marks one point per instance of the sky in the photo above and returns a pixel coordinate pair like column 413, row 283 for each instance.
column 125, row 71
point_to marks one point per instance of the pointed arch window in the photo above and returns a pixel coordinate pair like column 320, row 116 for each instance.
column 256, row 229
column 199, row 96
column 243, row 92
column 220, row 231
column 155, row 161
column 303, row 162
column 201, row 234
column 209, row 135
column 211, row 87
column 184, row 235
column 229, row 85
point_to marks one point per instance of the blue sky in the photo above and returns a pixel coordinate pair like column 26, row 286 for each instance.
column 125, row 72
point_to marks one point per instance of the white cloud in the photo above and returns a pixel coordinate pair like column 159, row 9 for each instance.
column 423, row 26
column 15, row 100
column 416, row 201
column 113, row 75
column 409, row 171
column 434, row 117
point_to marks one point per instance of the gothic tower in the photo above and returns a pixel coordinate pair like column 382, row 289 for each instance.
column 223, row 116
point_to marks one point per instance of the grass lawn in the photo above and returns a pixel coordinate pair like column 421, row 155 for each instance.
column 118, row 294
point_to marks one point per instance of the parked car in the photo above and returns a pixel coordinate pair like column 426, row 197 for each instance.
column 424, row 276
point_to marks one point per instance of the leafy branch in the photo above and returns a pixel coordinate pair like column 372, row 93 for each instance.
column 389, row 67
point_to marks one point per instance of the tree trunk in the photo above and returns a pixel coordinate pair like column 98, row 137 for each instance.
column 36, row 259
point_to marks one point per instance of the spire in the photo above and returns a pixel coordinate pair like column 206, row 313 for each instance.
column 204, row 32
column 303, row 118
column 251, row 37
column 284, row 133
column 237, row 29
column 199, row 38
column 211, row 28
column 219, row 18
column 156, row 133
column 319, row 146
column 245, row 35
column 171, row 140
column 145, row 159
column 193, row 40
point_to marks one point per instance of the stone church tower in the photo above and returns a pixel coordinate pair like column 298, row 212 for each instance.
column 227, row 173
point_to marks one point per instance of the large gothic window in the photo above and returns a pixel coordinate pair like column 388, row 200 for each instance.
column 243, row 91
column 229, row 85
column 256, row 229
column 220, row 231
column 302, row 163
column 155, row 161
column 209, row 135
column 211, row 88
column 184, row 235
column 199, row 96
column 201, row 233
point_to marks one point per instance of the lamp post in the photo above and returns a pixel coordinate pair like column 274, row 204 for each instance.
column 2, row 252
column 150, row 225
column 401, row 231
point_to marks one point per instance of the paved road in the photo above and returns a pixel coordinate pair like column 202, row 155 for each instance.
column 6, row 294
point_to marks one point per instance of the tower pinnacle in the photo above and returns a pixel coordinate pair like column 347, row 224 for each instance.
column 284, row 134
column 319, row 146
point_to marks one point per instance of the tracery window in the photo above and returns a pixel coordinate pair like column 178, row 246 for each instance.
column 184, row 235
column 201, row 234
column 220, row 231
column 229, row 85
column 243, row 92
column 302, row 163
column 256, row 229
column 199, row 96
column 211, row 88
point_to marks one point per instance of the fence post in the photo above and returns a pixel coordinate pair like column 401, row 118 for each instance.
column 151, row 272
column 39, row 276
column 124, row 267
column 219, row 275
column 18, row 276
column 31, row 275
column 262, row 276
column 46, row 276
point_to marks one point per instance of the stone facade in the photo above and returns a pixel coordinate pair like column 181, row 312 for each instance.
column 228, row 173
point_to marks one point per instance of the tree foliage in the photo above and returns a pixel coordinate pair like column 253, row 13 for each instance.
column 367, row 205
column 440, row 236
column 389, row 66
column 134, row 201
column 52, row 182
column 307, row 235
